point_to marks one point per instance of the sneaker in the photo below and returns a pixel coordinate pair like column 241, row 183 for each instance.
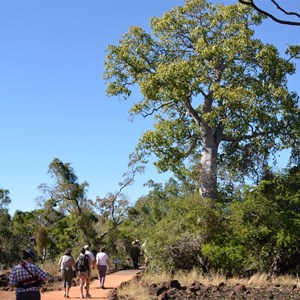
column 88, row 296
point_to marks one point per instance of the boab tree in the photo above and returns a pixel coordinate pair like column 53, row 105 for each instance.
column 215, row 91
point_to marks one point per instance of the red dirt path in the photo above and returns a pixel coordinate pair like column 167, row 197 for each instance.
column 112, row 281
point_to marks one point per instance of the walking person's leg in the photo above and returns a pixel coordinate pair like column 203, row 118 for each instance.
column 102, row 275
column 82, row 281
column 63, row 278
column 87, row 285
column 135, row 263
column 69, row 278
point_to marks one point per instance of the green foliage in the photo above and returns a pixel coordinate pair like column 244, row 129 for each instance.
column 225, row 258
column 174, row 241
column 9, row 245
column 254, row 228
column 4, row 198
column 246, row 231
column 24, row 227
column 211, row 87
column 267, row 220
column 67, row 195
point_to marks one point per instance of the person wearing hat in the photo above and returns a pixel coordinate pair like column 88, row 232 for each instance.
column 27, row 277
column 135, row 254
column 66, row 264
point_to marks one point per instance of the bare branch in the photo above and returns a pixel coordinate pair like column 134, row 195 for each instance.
column 252, row 4
column 193, row 145
column 193, row 112
column 284, row 11
column 156, row 109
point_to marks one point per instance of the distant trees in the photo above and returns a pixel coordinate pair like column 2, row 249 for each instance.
column 66, row 194
column 8, row 246
column 258, row 230
column 249, row 228
column 65, row 202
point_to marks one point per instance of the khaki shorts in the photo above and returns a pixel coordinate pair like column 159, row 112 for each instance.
column 83, row 276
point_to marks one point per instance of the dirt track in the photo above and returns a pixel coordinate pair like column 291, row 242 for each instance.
column 113, row 280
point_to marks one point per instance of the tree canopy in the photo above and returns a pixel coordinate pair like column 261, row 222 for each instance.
column 214, row 90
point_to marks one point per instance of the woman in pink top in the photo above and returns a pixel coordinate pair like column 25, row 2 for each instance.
column 102, row 263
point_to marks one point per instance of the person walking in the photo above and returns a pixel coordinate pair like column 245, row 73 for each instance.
column 102, row 264
column 27, row 277
column 83, row 269
column 66, row 264
column 135, row 254
column 92, row 263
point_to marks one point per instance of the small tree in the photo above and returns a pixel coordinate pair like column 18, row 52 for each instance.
column 67, row 198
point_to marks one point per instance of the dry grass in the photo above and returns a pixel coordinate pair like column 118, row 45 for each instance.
column 259, row 279
column 136, row 291
column 51, row 267
column 133, row 291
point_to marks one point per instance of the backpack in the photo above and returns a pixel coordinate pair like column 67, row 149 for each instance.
column 82, row 263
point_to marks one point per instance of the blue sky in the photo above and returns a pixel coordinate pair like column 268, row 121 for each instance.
column 52, row 97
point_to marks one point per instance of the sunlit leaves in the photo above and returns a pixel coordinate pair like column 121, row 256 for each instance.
column 210, row 86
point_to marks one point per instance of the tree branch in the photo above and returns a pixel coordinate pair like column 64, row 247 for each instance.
column 284, row 11
column 192, row 146
column 252, row 4
column 156, row 109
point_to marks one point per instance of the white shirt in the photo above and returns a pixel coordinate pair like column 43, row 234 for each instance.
column 101, row 259
column 91, row 258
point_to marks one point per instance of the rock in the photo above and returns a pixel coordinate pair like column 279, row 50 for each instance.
column 113, row 295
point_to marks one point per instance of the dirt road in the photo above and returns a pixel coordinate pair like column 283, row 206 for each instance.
column 112, row 281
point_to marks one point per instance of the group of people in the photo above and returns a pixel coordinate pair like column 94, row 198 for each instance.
column 28, row 277
column 83, row 266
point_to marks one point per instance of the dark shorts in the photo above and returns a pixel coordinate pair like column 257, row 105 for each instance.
column 67, row 277
column 32, row 295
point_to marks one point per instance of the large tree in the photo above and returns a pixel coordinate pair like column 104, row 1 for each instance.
column 215, row 91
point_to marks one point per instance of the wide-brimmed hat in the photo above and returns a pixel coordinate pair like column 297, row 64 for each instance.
column 28, row 254
column 68, row 252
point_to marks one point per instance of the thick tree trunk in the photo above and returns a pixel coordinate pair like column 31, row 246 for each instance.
column 208, row 166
